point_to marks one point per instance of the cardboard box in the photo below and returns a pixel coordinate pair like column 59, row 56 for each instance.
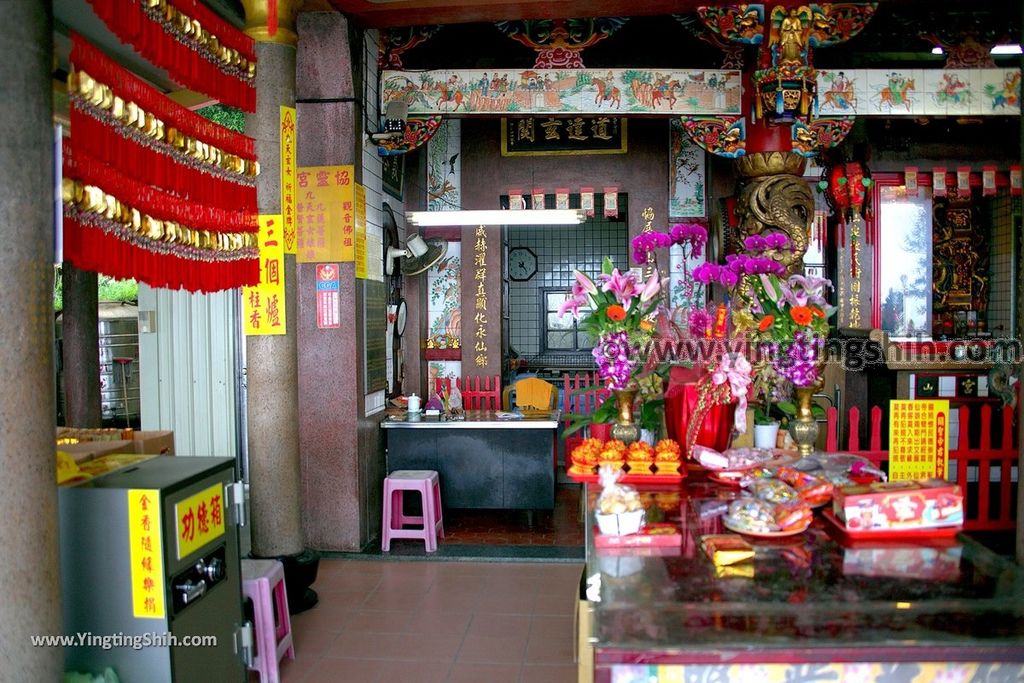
column 154, row 442
column 88, row 450
column 912, row 504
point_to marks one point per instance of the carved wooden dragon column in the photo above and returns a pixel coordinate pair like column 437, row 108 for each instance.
column 780, row 130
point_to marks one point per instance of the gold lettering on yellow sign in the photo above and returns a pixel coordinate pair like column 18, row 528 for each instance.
column 480, row 259
column 599, row 128
column 574, row 129
column 552, row 129
column 525, row 130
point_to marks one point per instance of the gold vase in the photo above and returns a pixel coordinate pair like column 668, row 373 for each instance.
column 805, row 428
column 625, row 429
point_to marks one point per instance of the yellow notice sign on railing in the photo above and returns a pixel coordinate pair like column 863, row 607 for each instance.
column 199, row 519
column 918, row 439
column 145, row 553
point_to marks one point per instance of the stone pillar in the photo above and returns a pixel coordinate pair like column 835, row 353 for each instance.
column 81, row 340
column 342, row 452
column 272, row 396
column 29, row 573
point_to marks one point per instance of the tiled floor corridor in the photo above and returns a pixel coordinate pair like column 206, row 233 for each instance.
column 424, row 621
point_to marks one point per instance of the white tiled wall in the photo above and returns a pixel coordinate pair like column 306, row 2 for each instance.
column 560, row 250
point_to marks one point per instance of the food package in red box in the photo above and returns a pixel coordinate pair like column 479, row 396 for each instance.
column 912, row 504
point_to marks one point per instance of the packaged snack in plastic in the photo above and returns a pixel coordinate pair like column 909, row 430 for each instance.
column 619, row 508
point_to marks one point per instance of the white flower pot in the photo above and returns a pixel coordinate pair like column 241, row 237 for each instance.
column 765, row 435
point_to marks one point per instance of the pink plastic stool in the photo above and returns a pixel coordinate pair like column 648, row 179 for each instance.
column 260, row 580
column 431, row 523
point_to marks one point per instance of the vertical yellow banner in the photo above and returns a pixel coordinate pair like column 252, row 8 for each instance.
column 325, row 213
column 919, row 439
column 359, row 227
column 145, row 552
column 288, row 178
column 263, row 306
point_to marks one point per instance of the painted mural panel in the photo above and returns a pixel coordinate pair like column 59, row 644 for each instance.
column 919, row 92
column 442, row 369
column 548, row 91
column 687, row 175
column 444, row 301
column 444, row 168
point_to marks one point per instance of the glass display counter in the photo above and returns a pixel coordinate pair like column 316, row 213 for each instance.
column 809, row 607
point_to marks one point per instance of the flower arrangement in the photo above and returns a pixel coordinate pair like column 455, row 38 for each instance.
column 621, row 315
column 785, row 317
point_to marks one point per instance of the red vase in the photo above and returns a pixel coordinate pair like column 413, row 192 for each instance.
column 680, row 403
column 601, row 430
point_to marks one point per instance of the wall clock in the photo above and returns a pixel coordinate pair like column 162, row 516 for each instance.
column 522, row 264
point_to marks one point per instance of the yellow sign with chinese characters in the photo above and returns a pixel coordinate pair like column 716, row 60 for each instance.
column 325, row 213
column 199, row 519
column 918, row 439
column 263, row 306
column 145, row 552
column 288, row 178
column 359, row 227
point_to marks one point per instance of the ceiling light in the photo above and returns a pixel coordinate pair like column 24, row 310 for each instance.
column 937, row 50
column 1006, row 50
column 496, row 217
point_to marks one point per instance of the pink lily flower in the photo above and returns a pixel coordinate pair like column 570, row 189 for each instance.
column 573, row 304
column 651, row 288
column 584, row 283
column 622, row 285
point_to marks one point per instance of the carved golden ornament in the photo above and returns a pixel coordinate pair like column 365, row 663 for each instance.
column 102, row 97
column 770, row 163
column 257, row 14
column 90, row 199
column 778, row 203
column 190, row 31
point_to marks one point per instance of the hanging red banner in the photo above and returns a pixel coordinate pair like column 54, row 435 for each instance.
column 963, row 181
column 988, row 181
column 515, row 199
column 611, row 202
column 939, row 181
column 910, row 180
column 537, row 198
column 587, row 200
column 562, row 198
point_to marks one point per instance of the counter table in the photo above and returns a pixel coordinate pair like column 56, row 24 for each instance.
column 482, row 461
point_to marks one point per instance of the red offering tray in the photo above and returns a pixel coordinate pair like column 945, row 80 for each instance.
column 659, row 534
column 629, row 478
column 938, row 533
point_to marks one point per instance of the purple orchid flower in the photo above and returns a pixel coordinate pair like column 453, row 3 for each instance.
column 755, row 243
column 776, row 240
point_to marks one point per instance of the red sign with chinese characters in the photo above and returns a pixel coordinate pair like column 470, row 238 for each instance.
column 328, row 296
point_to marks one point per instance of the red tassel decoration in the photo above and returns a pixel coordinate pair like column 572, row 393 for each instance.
column 272, row 17
column 80, row 166
column 91, row 248
column 132, row 89
column 190, row 65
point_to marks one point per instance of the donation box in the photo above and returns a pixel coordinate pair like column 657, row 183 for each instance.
column 150, row 572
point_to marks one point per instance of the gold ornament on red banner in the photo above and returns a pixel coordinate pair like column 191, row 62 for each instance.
column 195, row 46
column 910, row 180
column 587, row 200
column 988, row 181
column 611, row 202
column 515, row 199
column 963, row 181
column 538, row 198
column 939, row 181
column 562, row 198
column 1015, row 180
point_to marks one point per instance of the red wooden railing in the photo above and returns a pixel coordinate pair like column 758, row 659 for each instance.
column 474, row 397
column 988, row 503
column 582, row 393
